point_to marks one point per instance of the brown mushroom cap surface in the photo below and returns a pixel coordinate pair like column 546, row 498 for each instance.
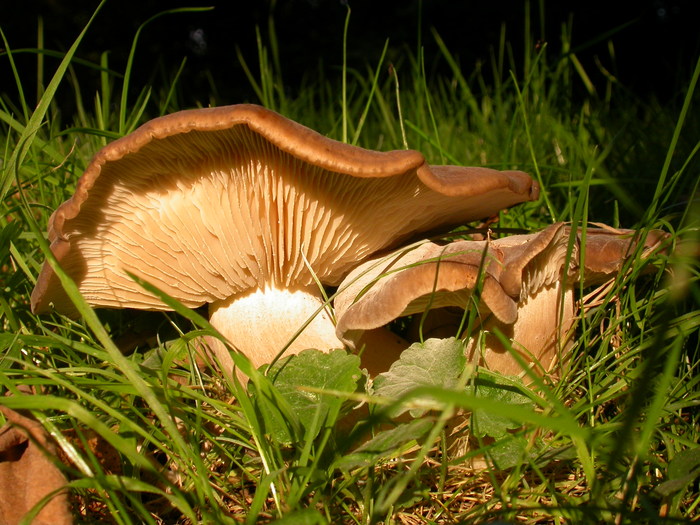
column 415, row 279
column 208, row 203
column 528, row 283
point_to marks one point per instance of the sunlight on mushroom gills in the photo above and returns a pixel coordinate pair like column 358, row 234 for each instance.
column 217, row 220
column 546, row 268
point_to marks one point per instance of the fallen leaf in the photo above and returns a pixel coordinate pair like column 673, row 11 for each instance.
column 27, row 474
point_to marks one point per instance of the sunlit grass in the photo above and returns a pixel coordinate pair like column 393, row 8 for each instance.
column 188, row 446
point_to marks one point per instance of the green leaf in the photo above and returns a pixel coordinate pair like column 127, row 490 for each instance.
column 507, row 449
column 306, row 381
column 385, row 444
column 437, row 362
column 302, row 517
column 165, row 353
column 486, row 423
column 683, row 469
column 508, row 452
column 684, row 463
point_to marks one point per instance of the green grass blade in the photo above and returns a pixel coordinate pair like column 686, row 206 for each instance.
column 123, row 105
column 35, row 121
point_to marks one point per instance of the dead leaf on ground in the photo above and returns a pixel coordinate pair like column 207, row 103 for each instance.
column 27, row 474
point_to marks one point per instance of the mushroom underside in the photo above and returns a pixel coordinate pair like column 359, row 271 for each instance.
column 229, row 206
column 538, row 273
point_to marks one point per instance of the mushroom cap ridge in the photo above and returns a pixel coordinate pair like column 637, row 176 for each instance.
column 431, row 275
column 291, row 139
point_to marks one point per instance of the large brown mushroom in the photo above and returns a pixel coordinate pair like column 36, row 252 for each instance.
column 527, row 291
column 244, row 209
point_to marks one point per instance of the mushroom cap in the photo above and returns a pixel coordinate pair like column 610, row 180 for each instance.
column 207, row 203
column 415, row 279
column 514, row 268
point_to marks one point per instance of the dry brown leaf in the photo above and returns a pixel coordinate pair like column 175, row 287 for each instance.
column 27, row 474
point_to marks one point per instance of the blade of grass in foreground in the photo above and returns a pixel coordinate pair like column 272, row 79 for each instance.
column 27, row 136
column 273, row 465
column 120, row 361
column 125, row 127
column 660, row 187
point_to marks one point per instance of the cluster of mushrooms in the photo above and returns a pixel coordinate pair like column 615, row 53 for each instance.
column 254, row 214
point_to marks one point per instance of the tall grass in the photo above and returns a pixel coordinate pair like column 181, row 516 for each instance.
column 614, row 439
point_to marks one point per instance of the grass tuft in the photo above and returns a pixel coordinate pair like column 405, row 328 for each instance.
column 147, row 436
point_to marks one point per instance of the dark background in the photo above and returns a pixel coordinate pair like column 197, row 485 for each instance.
column 655, row 42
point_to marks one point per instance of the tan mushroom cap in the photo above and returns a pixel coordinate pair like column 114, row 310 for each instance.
column 415, row 279
column 547, row 307
column 435, row 275
column 528, row 283
column 208, row 203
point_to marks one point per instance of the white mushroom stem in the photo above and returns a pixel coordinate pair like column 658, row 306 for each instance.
column 539, row 336
column 265, row 321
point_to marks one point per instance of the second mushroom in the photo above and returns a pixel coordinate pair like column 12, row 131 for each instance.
column 526, row 289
